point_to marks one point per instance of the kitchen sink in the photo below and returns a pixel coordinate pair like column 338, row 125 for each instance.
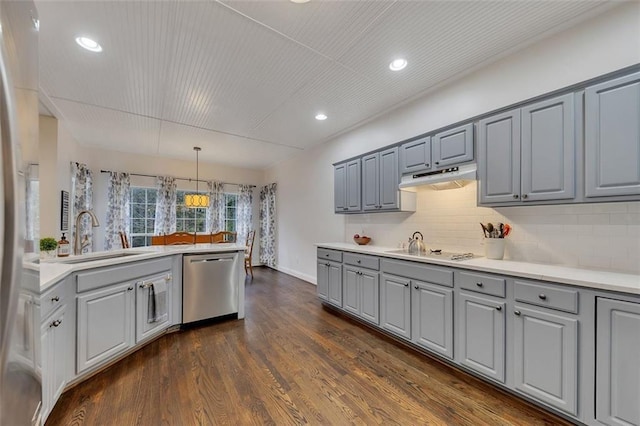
column 93, row 257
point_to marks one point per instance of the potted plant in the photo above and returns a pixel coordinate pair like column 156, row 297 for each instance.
column 48, row 246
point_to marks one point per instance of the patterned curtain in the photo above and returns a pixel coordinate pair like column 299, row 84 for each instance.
column 165, row 222
column 268, row 225
column 118, row 198
column 216, row 209
column 82, row 199
column 244, row 212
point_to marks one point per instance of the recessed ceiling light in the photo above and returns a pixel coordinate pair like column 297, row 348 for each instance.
column 321, row 117
column 89, row 44
column 398, row 64
column 299, row 1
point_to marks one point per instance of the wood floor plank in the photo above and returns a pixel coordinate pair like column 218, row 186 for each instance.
column 290, row 361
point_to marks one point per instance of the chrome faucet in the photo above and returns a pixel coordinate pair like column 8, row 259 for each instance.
column 77, row 247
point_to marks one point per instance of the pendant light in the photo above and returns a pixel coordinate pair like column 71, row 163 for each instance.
column 196, row 200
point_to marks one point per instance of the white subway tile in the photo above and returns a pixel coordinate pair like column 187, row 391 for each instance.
column 593, row 219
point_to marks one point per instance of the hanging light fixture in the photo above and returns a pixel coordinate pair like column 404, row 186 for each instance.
column 196, row 200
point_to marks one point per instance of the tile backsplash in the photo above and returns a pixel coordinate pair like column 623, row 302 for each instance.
column 598, row 236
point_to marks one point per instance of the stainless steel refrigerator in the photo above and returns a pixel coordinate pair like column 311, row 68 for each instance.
column 20, row 380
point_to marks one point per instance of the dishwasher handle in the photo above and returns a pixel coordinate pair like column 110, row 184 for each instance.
column 217, row 259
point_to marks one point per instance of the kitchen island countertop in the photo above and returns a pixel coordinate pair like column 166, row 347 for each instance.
column 591, row 278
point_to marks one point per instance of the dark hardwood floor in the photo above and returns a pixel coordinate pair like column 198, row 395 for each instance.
column 291, row 361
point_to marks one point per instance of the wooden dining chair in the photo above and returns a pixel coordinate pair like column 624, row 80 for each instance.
column 176, row 238
column 124, row 240
column 248, row 252
column 223, row 237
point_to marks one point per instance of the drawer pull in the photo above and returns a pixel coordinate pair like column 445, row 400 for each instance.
column 358, row 261
column 498, row 308
column 516, row 313
column 416, row 287
column 479, row 284
column 56, row 323
column 515, row 196
column 542, row 296
column 55, row 299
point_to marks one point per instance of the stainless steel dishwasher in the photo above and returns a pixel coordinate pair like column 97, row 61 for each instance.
column 209, row 286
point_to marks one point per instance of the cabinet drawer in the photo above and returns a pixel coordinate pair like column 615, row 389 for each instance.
column 418, row 271
column 481, row 283
column 53, row 299
column 96, row 278
column 547, row 296
column 334, row 255
column 362, row 260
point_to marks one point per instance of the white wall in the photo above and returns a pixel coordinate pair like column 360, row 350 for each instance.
column 592, row 48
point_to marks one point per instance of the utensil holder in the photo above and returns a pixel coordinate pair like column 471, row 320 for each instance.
column 494, row 248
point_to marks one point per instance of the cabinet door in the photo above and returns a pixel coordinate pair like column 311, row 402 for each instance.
column 453, row 146
column 548, row 150
column 371, row 181
column 57, row 344
column 482, row 335
column 370, row 296
column 396, row 308
column 353, row 185
column 389, row 179
column 144, row 328
column 432, row 318
column 323, row 280
column 105, row 324
column 335, row 283
column 499, row 158
column 546, row 357
column 340, row 188
column 415, row 156
column 350, row 295
column 612, row 138
column 48, row 366
column 617, row 366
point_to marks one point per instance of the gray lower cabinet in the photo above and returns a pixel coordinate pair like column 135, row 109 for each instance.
column 545, row 351
column 106, row 324
column 617, row 362
column 453, row 146
column 334, row 283
column 147, row 327
column 395, row 304
column 481, row 334
column 432, row 318
column 361, row 293
column 612, row 137
column 415, row 156
column 56, row 344
column 322, row 287
column 528, row 154
column 347, row 187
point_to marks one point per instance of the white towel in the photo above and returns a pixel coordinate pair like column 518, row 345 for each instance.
column 157, row 306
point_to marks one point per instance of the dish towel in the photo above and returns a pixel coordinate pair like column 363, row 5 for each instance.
column 157, row 306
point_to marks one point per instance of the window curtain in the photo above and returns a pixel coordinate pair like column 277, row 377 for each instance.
column 268, row 225
column 82, row 199
column 244, row 212
column 216, row 209
column 118, row 199
column 165, row 222
column 32, row 212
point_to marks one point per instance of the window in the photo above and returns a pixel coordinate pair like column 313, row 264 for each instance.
column 189, row 219
column 143, row 214
column 230, row 201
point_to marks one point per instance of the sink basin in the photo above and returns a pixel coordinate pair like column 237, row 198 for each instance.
column 94, row 257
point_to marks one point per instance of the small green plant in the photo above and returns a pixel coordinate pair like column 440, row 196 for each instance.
column 48, row 244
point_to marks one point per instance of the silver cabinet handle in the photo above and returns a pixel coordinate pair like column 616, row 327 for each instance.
column 542, row 296
column 479, row 284
column 517, row 313
column 145, row 285
column 55, row 299
column 56, row 323
column 498, row 308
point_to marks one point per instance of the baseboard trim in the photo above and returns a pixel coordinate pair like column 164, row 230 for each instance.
column 305, row 277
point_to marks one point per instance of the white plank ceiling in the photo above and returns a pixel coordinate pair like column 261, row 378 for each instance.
column 244, row 79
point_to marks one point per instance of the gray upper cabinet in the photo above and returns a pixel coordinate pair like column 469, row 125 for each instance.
column 545, row 351
column 371, row 181
column 481, row 335
column 528, row 154
column 548, row 150
column 432, row 318
column 347, row 186
column 380, row 180
column 395, row 301
column 415, row 156
column 499, row 158
column 453, row 146
column 612, row 137
column 617, row 366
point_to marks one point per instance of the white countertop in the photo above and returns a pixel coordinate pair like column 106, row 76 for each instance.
column 603, row 280
column 52, row 271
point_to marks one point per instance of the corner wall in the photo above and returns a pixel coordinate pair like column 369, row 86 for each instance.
column 305, row 183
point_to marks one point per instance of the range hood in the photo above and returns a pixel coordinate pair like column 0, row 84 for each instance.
column 454, row 177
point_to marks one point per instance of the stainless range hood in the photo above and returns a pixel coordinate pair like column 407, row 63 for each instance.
column 454, row 177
